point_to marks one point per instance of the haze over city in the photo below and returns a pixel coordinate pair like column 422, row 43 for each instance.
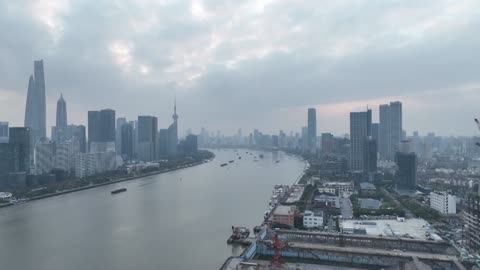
column 254, row 64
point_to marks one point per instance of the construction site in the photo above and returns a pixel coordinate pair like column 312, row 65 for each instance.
column 300, row 250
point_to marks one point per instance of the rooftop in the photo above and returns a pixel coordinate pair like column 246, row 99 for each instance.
column 414, row 228
column 284, row 210
column 367, row 186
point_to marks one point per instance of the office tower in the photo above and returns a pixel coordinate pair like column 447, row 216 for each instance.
column 118, row 134
column 390, row 129
column 370, row 155
column 406, row 146
column 328, row 143
column 304, row 139
column 360, row 129
column 44, row 157
column 3, row 132
column 191, row 144
column 35, row 109
column 79, row 135
column 101, row 129
column 127, row 141
column 396, row 131
column 163, row 143
column 312, row 129
column 384, row 132
column 61, row 121
column 173, row 133
column 406, row 176
column 21, row 138
column 375, row 131
column 147, row 138
column 9, row 159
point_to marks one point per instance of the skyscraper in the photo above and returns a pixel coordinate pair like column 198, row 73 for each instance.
column 79, row 134
column 406, row 176
column 173, row 133
column 390, row 129
column 35, row 109
column 61, row 123
column 370, row 155
column 147, row 138
column 101, row 128
column 312, row 129
column 163, row 143
column 21, row 138
column 360, row 129
column 127, row 140
column 3, row 132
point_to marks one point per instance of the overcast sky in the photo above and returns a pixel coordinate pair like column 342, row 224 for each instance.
column 249, row 64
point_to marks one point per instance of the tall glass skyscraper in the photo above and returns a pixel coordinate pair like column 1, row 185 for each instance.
column 312, row 129
column 389, row 130
column 35, row 109
column 360, row 130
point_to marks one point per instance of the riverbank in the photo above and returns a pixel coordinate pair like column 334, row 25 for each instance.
column 110, row 182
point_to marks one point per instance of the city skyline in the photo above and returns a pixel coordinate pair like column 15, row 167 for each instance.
column 287, row 66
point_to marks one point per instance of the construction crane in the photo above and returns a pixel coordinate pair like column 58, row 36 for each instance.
column 277, row 247
column 478, row 125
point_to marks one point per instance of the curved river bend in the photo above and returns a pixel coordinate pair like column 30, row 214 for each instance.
column 178, row 220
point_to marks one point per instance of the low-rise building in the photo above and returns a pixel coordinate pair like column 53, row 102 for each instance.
column 312, row 219
column 367, row 188
column 443, row 202
column 284, row 214
column 343, row 189
column 326, row 200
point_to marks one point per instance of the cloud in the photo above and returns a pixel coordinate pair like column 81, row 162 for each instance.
column 255, row 64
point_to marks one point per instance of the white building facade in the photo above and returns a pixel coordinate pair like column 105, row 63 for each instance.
column 312, row 219
column 443, row 202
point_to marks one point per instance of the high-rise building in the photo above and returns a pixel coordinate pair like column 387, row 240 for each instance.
column 396, row 131
column 328, row 143
column 35, row 109
column 65, row 155
column 127, row 141
column 3, row 132
column 375, row 131
column 84, row 164
column 44, row 157
column 101, row 126
column 443, row 202
column 360, row 129
column 79, row 135
column 312, row 129
column 191, row 144
column 21, row 137
column 390, row 129
column 370, row 155
column 472, row 222
column 147, row 138
column 173, row 134
column 163, row 143
column 406, row 175
column 118, row 134
column 60, row 133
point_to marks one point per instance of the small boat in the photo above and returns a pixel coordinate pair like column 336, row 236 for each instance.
column 261, row 156
column 238, row 233
column 116, row 191
column 277, row 161
column 223, row 164
column 231, row 161
column 239, row 157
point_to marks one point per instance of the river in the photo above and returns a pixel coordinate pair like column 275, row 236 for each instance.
column 177, row 220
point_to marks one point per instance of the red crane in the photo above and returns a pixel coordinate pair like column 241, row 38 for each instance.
column 277, row 246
